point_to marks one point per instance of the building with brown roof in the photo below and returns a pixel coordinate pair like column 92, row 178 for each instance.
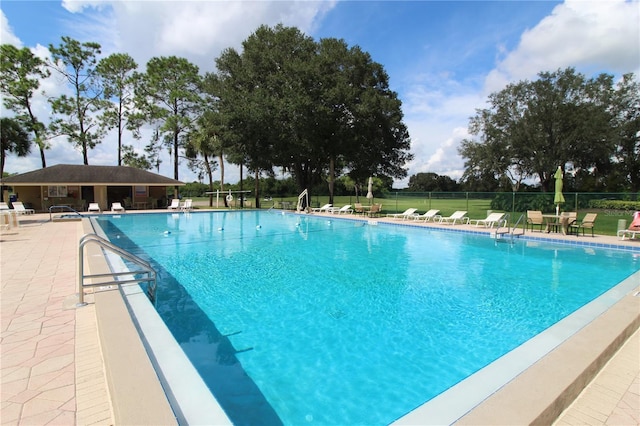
column 76, row 186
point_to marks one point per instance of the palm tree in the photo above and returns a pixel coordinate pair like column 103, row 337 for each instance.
column 205, row 141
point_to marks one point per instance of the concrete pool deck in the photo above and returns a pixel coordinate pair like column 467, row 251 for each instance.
column 53, row 365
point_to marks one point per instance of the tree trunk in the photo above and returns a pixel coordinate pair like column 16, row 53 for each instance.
column 210, row 175
column 175, row 162
column 222, row 178
column 241, row 185
column 257, row 189
column 332, row 177
column 85, row 153
column 44, row 162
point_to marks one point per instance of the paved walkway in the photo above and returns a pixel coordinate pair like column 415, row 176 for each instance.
column 51, row 369
column 613, row 397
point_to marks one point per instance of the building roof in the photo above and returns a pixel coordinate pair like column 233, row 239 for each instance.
column 71, row 174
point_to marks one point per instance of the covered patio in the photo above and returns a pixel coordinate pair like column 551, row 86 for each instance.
column 75, row 186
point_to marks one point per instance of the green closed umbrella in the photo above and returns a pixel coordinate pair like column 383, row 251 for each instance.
column 558, row 198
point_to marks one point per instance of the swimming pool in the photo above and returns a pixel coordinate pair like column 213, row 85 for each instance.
column 302, row 320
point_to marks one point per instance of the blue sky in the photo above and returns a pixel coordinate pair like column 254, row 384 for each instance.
column 443, row 57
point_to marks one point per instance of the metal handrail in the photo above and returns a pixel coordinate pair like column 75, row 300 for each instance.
column 145, row 266
column 516, row 225
column 63, row 208
column 509, row 230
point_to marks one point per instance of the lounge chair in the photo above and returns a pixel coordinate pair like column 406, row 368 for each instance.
column 4, row 205
column 534, row 217
column 587, row 222
column 175, row 204
column 117, row 207
column 490, row 221
column 324, row 208
column 344, row 209
column 458, row 216
column 430, row 215
column 94, row 207
column 187, row 205
column 20, row 209
column 633, row 230
column 404, row 215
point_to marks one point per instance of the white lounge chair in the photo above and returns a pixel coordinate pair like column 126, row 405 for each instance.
column 117, row 207
column 324, row 208
column 187, row 205
column 633, row 230
column 430, row 215
column 94, row 207
column 456, row 217
column 344, row 209
column 490, row 221
column 404, row 215
column 4, row 205
column 20, row 209
column 175, row 204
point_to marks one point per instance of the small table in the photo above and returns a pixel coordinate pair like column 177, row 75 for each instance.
column 140, row 205
column 556, row 221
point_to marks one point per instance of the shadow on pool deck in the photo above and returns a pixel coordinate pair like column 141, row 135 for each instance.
column 52, row 365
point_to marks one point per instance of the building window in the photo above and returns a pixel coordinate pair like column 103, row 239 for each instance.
column 57, row 191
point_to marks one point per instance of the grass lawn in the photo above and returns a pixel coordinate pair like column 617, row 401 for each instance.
column 606, row 222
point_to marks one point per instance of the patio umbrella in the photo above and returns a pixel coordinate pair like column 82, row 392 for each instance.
column 370, row 190
column 558, row 198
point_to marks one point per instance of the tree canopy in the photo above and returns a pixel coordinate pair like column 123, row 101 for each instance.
column 13, row 138
column 586, row 126
column 314, row 109
column 20, row 75
column 76, row 62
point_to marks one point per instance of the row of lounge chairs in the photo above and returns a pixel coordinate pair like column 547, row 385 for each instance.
column 187, row 205
column 431, row 215
column 18, row 208
column 329, row 208
column 372, row 210
column 95, row 207
column 456, row 217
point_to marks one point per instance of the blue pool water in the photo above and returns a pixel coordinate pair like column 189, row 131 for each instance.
column 304, row 320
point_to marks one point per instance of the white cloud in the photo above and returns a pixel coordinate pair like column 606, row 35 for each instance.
column 196, row 30
column 592, row 36
column 437, row 121
column 6, row 32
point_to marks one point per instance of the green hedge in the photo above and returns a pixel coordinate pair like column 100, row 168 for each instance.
column 544, row 202
column 614, row 204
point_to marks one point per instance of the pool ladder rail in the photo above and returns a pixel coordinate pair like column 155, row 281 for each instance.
column 63, row 209
column 506, row 229
column 148, row 273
